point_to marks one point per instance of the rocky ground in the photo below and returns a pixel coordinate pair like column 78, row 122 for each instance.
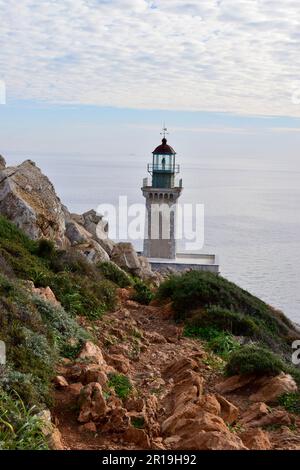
column 179, row 398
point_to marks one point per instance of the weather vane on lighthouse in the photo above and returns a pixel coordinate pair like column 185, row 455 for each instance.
column 164, row 131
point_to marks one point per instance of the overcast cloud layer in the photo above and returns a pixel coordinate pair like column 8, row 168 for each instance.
column 237, row 56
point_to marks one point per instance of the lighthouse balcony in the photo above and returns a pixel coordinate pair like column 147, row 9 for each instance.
column 163, row 168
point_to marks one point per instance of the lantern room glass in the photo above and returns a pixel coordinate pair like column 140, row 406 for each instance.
column 164, row 162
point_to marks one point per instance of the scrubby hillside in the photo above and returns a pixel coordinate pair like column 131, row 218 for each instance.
column 205, row 366
column 42, row 290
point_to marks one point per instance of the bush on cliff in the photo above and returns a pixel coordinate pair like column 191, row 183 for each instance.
column 113, row 273
column 252, row 359
column 142, row 293
column 206, row 299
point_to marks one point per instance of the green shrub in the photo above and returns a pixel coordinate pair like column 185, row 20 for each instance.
column 208, row 299
column 121, row 384
column 20, row 427
column 143, row 294
column 291, row 402
column 218, row 341
column 10, row 232
column 227, row 320
column 113, row 273
column 252, row 359
column 138, row 422
column 45, row 248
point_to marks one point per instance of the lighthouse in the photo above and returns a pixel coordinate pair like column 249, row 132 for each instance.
column 161, row 203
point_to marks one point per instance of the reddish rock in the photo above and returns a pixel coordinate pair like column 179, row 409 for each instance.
column 75, row 388
column 94, row 373
column 119, row 362
column 187, row 390
column 274, row 387
column 92, row 353
column 156, row 338
column 60, row 382
column 234, row 383
column 254, row 413
column 138, row 437
column 256, row 439
column 178, row 368
column 92, row 403
column 210, row 404
column 212, row 440
column 229, row 412
column 88, row 427
column 275, row 417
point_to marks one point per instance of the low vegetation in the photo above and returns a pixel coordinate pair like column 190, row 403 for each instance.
column 20, row 428
column 291, row 402
column 142, row 292
column 204, row 299
column 121, row 384
column 113, row 273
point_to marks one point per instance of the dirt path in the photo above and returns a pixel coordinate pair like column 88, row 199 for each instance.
column 142, row 343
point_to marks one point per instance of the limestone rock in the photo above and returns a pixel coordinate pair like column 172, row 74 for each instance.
column 76, row 233
column 92, row 403
column 51, row 433
column 125, row 256
column 2, row 162
column 95, row 225
column 274, row 387
column 92, row 251
column 28, row 199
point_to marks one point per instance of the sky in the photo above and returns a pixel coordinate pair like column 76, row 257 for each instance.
column 101, row 76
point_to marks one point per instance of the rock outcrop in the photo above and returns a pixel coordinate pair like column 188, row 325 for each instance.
column 28, row 199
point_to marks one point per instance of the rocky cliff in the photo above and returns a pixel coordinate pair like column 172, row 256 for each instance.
column 29, row 200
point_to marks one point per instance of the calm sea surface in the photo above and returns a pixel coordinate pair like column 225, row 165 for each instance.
column 252, row 217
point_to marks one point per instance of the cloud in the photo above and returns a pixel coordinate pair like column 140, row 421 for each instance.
column 237, row 56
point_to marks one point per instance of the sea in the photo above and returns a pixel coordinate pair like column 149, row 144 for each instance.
column 251, row 210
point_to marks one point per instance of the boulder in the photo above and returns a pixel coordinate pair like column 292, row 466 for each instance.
column 256, row 439
column 51, row 433
column 60, row 382
column 254, row 413
column 229, row 412
column 92, row 251
column 28, row 199
column 138, row 437
column 76, row 233
column 92, row 403
column 272, row 388
column 92, row 353
column 98, row 227
column 234, row 382
column 118, row 362
column 125, row 256
column 210, row 404
column 212, row 440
